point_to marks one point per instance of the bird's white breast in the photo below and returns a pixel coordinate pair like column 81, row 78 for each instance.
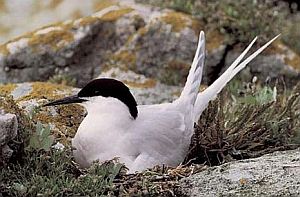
column 159, row 135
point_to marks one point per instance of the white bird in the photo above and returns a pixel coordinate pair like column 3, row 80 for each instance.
column 146, row 135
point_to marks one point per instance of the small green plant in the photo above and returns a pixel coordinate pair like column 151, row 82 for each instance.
column 41, row 139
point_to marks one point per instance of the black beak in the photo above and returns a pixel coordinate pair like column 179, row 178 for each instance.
column 66, row 100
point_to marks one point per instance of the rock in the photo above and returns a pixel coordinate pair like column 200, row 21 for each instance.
column 64, row 120
column 145, row 90
column 274, row 174
column 25, row 101
column 278, row 61
column 8, row 131
column 40, row 13
column 156, row 43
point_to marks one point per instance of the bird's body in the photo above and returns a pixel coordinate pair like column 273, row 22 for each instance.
column 158, row 135
column 146, row 135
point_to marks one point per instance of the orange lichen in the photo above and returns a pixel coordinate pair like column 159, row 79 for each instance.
column 4, row 50
column 243, row 181
column 51, row 38
column 277, row 47
column 214, row 40
column 100, row 5
column 149, row 83
column 197, row 26
column 7, row 89
column 142, row 31
column 178, row 20
column 290, row 57
column 293, row 62
column 66, row 121
column 178, row 65
column 116, row 14
column 126, row 57
column 88, row 20
column 42, row 90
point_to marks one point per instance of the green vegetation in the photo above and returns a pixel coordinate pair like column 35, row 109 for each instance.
column 245, row 121
column 241, row 21
column 251, row 122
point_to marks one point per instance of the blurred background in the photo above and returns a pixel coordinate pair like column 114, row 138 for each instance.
column 239, row 20
column 74, row 41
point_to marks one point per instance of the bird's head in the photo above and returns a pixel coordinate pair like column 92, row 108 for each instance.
column 101, row 90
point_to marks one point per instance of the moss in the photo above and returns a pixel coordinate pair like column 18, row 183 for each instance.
column 294, row 62
column 66, row 121
column 178, row 20
column 142, row 31
column 42, row 90
column 116, row 14
column 125, row 56
column 4, row 50
column 149, row 83
column 68, row 117
column 197, row 26
column 174, row 72
column 88, row 20
column 100, row 5
column 290, row 57
column 7, row 89
column 51, row 38
column 214, row 40
column 276, row 48
column 235, row 19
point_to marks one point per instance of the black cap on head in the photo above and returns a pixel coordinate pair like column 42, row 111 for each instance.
column 108, row 87
column 105, row 87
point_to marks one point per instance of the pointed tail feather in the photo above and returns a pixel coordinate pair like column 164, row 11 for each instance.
column 190, row 90
column 212, row 91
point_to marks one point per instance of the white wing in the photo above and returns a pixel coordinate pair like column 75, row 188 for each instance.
column 162, row 139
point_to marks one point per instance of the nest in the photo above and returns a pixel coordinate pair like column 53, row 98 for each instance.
column 238, row 129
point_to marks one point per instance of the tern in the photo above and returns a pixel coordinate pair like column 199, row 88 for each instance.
column 143, row 136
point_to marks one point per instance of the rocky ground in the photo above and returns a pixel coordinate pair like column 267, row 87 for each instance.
column 150, row 49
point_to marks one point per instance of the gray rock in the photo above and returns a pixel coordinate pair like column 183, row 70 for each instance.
column 275, row 174
column 150, row 41
column 8, row 131
column 278, row 61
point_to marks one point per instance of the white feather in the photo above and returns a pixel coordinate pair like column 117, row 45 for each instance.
column 212, row 91
column 161, row 133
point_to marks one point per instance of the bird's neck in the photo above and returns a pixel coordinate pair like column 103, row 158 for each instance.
column 110, row 110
